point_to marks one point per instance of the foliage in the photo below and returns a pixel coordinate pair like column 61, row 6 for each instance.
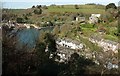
column 15, row 61
column 111, row 37
column 93, row 47
column 37, row 11
column 20, row 62
column 90, row 4
column 25, row 17
column 8, row 16
column 20, row 20
column 64, row 29
column 33, row 6
column 76, row 7
column 87, row 25
column 37, row 23
column 119, row 27
column 111, row 5
column 49, row 23
column 45, row 7
column 76, row 66
column 86, row 9
column 44, row 63
column 48, row 40
column 111, row 14
column 39, row 6
column 56, row 30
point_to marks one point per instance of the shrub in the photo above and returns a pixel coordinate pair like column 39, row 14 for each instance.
column 111, row 5
column 39, row 6
column 76, row 7
column 20, row 20
column 56, row 30
column 33, row 6
column 45, row 7
column 37, row 11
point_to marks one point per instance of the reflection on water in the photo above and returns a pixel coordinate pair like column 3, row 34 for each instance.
column 29, row 36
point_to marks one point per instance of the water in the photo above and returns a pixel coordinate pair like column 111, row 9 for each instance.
column 29, row 36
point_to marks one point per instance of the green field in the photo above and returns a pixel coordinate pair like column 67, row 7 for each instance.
column 58, row 10
column 86, row 9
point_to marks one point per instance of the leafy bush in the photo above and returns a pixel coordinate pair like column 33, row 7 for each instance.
column 87, row 25
column 45, row 7
column 56, row 30
column 20, row 20
column 33, row 6
column 39, row 6
column 37, row 11
column 76, row 7
column 111, row 5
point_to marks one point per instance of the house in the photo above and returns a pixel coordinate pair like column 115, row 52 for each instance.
column 94, row 18
column 96, row 15
column 81, row 19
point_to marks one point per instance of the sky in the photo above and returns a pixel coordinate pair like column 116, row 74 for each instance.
column 17, row 4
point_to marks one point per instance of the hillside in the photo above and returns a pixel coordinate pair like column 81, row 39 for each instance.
column 57, row 12
column 87, row 9
column 61, row 40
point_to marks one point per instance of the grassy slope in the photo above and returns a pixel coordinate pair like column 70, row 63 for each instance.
column 87, row 9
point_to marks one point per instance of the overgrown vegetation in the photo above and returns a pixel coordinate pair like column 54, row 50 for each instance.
column 37, row 61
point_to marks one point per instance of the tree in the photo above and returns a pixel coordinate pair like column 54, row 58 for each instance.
column 76, row 7
column 37, row 11
column 77, row 66
column 5, row 17
column 64, row 29
column 16, row 61
column 46, row 40
column 33, row 6
column 56, row 30
column 45, row 7
column 49, row 23
column 111, row 11
column 20, row 20
column 8, row 16
column 49, row 40
column 26, row 18
column 39, row 6
column 111, row 14
column 111, row 5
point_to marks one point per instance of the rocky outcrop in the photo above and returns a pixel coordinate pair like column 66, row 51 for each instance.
column 106, row 44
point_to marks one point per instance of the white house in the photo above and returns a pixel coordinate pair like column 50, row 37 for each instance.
column 81, row 19
column 96, row 15
column 94, row 18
